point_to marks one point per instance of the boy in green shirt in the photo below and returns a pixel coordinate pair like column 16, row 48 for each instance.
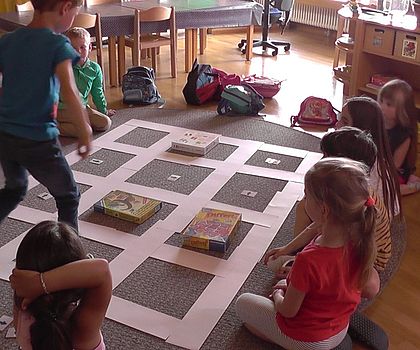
column 89, row 81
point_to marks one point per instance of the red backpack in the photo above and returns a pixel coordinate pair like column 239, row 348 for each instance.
column 315, row 111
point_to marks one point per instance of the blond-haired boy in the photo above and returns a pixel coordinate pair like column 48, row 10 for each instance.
column 89, row 81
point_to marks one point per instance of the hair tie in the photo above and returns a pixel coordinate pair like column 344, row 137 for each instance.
column 370, row 202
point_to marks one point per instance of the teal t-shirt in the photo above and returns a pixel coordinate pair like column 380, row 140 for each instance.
column 28, row 103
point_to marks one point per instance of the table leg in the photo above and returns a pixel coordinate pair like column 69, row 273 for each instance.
column 113, row 70
column 203, row 40
column 121, row 58
column 249, row 41
column 194, row 45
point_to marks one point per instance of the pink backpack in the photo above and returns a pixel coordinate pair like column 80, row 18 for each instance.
column 315, row 111
column 266, row 87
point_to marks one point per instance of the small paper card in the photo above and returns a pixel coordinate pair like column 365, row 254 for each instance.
column 272, row 161
column 11, row 332
column 249, row 193
column 174, row 177
column 45, row 195
column 5, row 321
column 96, row 161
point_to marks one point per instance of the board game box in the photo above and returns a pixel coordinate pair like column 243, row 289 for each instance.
column 211, row 229
column 196, row 142
column 127, row 206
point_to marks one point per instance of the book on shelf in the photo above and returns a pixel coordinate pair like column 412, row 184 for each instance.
column 381, row 79
column 211, row 229
column 196, row 142
column 127, row 206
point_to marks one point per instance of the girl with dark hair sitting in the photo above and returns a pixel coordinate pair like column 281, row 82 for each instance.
column 61, row 297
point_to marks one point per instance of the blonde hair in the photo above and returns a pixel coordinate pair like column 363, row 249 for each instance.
column 341, row 185
column 78, row 32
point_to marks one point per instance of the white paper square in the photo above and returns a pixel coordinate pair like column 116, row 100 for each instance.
column 5, row 321
column 173, row 177
column 11, row 332
column 96, row 161
column 249, row 193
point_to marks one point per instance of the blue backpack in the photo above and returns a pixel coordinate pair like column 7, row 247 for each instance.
column 138, row 86
column 240, row 100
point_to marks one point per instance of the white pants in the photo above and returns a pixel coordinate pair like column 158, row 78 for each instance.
column 259, row 313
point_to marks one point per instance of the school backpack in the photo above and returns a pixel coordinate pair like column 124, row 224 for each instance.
column 315, row 111
column 138, row 86
column 202, row 84
column 266, row 87
column 241, row 100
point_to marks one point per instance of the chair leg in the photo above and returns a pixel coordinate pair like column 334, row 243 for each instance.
column 154, row 58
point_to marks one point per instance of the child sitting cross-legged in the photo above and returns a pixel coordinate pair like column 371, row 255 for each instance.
column 61, row 296
column 89, row 81
column 312, row 307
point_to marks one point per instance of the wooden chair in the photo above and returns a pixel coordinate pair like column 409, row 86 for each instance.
column 154, row 41
column 27, row 6
column 87, row 21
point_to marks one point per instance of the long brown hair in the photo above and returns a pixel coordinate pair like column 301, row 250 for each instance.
column 46, row 246
column 366, row 114
column 406, row 113
column 341, row 184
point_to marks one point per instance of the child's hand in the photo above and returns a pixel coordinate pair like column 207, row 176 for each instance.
column 111, row 112
column 84, row 142
column 27, row 285
column 274, row 254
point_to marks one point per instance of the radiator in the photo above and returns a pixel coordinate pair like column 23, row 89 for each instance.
column 315, row 16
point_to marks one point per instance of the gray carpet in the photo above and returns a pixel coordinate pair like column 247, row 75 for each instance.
column 152, row 283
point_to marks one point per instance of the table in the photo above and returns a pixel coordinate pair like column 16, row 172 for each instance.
column 117, row 22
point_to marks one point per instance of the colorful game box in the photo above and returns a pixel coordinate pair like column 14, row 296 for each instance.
column 211, row 229
column 127, row 206
column 196, row 142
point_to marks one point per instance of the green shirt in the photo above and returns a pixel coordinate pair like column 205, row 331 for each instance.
column 89, row 80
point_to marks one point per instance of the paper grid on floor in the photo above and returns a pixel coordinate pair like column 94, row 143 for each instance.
column 192, row 330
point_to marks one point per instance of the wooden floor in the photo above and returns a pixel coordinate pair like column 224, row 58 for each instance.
column 307, row 69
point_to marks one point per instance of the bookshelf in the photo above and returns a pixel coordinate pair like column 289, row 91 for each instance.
column 381, row 46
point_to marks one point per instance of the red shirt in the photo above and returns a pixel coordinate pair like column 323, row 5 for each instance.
column 328, row 277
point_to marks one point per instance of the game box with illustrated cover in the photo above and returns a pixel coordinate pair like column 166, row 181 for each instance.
column 196, row 142
column 211, row 229
column 128, row 206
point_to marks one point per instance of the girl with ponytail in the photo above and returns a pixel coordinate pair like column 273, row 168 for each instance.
column 61, row 297
column 312, row 307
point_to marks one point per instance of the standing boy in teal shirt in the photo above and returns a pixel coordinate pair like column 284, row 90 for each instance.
column 34, row 62
column 89, row 81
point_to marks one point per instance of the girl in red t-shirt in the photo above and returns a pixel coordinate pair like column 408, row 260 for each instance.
column 312, row 307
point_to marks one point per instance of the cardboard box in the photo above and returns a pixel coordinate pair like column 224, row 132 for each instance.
column 127, row 206
column 196, row 142
column 211, row 229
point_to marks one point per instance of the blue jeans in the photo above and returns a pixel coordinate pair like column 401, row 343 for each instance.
column 45, row 161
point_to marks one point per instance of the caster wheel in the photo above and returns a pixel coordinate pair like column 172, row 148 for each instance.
column 241, row 45
column 274, row 53
column 243, row 50
column 286, row 48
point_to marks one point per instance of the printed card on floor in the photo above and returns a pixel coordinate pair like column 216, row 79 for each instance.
column 45, row 195
column 272, row 161
column 11, row 332
column 174, row 177
column 249, row 193
column 5, row 321
column 96, row 161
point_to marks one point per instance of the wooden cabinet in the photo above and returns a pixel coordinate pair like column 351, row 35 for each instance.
column 381, row 47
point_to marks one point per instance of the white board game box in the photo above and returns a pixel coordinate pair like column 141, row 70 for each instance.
column 196, row 142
